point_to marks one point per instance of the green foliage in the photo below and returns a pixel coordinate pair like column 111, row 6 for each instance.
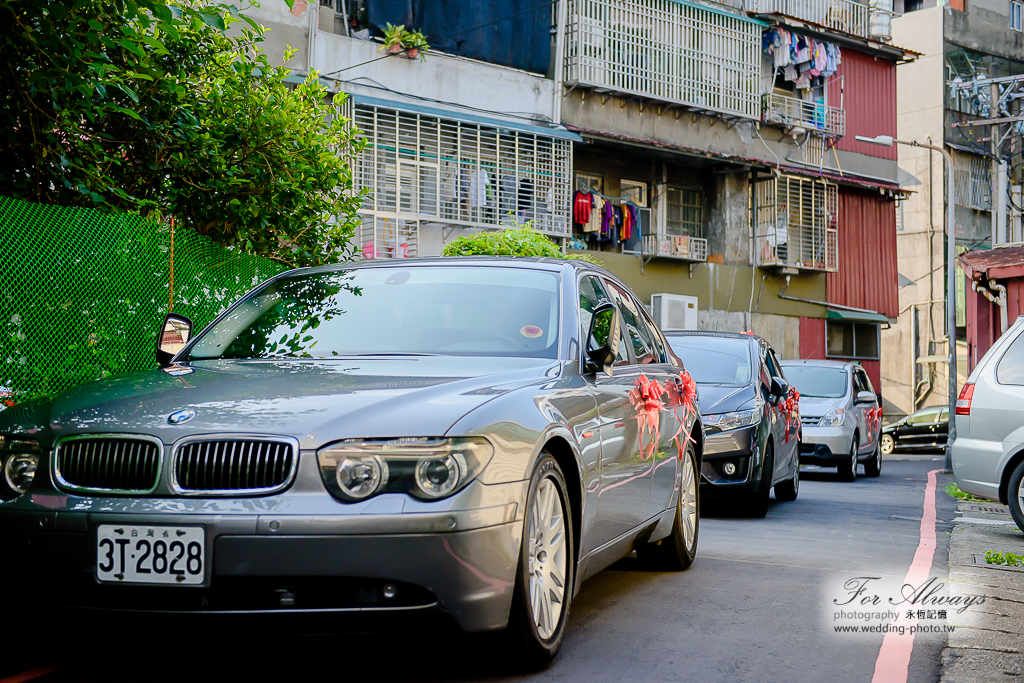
column 515, row 240
column 146, row 106
column 1006, row 559
column 393, row 35
column 953, row 491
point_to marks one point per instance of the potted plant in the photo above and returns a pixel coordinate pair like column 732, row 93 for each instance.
column 393, row 36
column 416, row 45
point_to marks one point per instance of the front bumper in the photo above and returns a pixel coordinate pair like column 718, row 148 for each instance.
column 458, row 561
column 738, row 446
column 827, row 446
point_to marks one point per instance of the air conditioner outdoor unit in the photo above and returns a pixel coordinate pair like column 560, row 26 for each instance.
column 674, row 311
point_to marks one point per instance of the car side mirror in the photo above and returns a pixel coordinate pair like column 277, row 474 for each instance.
column 865, row 397
column 603, row 339
column 780, row 387
column 175, row 333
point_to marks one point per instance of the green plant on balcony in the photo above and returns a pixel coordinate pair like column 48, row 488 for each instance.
column 393, row 38
column 416, row 45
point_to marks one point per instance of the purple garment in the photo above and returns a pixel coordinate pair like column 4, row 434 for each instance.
column 607, row 221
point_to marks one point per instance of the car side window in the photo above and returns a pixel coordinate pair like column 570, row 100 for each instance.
column 592, row 295
column 865, row 381
column 635, row 328
column 773, row 365
column 923, row 417
column 858, row 381
column 655, row 334
column 1011, row 366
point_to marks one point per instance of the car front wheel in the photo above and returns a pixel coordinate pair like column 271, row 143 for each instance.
column 873, row 467
column 848, row 470
column 678, row 551
column 888, row 444
column 544, row 582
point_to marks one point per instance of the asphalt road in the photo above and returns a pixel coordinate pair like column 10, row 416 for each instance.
column 756, row 606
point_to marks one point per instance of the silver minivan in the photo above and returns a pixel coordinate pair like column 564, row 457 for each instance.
column 840, row 415
column 988, row 454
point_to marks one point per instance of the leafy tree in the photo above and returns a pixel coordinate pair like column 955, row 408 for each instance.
column 143, row 105
column 515, row 240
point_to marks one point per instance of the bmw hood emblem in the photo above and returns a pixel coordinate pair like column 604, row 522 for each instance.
column 181, row 417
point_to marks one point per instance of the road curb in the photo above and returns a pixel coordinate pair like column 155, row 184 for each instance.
column 988, row 644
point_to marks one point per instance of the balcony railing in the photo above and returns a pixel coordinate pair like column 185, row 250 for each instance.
column 796, row 224
column 666, row 50
column 848, row 16
column 679, row 247
column 811, row 116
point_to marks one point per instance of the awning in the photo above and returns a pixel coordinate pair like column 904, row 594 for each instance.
column 472, row 118
column 856, row 316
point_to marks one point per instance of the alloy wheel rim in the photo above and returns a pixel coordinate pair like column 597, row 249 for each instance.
column 853, row 460
column 1020, row 494
column 796, row 478
column 887, row 443
column 688, row 504
column 547, row 560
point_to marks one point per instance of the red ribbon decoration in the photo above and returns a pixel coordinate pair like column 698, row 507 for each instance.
column 791, row 406
column 647, row 400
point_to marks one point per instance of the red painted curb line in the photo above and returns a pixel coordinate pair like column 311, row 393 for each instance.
column 893, row 663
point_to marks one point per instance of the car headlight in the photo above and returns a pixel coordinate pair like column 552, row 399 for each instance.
column 426, row 468
column 726, row 421
column 833, row 418
column 19, row 458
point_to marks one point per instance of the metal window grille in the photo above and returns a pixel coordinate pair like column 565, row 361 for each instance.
column 796, row 223
column 971, row 173
column 848, row 16
column 682, row 236
column 422, row 169
column 816, row 117
column 815, row 150
column 684, row 212
column 665, row 50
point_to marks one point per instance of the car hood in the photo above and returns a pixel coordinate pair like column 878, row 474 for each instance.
column 313, row 401
column 812, row 406
column 719, row 398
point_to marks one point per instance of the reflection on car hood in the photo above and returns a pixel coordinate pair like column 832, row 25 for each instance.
column 314, row 401
column 719, row 398
column 811, row 406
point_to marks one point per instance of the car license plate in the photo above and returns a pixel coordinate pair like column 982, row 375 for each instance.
column 151, row 554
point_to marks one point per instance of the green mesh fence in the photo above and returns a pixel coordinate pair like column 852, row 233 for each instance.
column 82, row 293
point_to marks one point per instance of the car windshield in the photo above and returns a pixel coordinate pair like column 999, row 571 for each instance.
column 434, row 310
column 817, row 381
column 714, row 360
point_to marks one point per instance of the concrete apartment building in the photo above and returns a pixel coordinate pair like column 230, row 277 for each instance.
column 728, row 126
column 940, row 98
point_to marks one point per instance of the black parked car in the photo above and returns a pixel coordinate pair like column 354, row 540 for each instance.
column 751, row 416
column 927, row 428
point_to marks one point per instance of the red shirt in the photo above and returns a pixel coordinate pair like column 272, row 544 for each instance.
column 582, row 206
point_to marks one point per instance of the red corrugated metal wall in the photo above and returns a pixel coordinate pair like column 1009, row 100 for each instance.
column 867, row 253
column 866, row 86
column 812, row 338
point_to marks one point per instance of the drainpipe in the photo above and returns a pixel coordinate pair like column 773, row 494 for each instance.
column 561, row 18
column 999, row 300
column 314, row 25
column 826, row 304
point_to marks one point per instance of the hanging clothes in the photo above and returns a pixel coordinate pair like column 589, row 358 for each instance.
column 449, row 173
column 526, row 195
column 506, row 194
column 582, row 204
column 593, row 226
column 480, row 189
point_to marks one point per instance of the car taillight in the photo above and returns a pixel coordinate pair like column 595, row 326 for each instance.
column 963, row 402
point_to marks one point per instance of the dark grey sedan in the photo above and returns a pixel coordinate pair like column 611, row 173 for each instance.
column 471, row 436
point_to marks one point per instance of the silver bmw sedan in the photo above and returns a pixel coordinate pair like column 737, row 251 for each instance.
column 472, row 437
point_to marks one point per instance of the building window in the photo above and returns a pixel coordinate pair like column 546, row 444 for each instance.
column 635, row 190
column 589, row 181
column 685, row 212
column 851, row 340
column 1015, row 15
column 422, row 169
column 972, row 185
column 796, row 223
